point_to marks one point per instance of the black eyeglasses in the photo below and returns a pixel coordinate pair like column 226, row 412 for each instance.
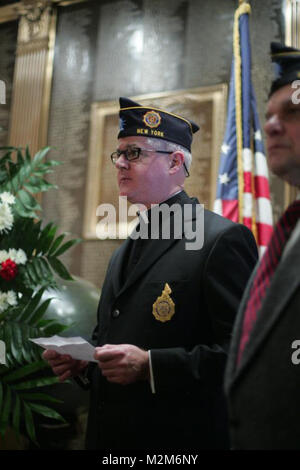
column 133, row 153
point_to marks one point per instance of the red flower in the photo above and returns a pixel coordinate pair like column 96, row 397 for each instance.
column 9, row 270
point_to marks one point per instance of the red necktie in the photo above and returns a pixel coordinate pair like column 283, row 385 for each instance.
column 266, row 270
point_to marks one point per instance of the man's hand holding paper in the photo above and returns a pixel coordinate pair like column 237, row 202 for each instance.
column 63, row 365
column 67, row 357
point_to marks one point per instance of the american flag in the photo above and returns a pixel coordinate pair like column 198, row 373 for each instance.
column 243, row 183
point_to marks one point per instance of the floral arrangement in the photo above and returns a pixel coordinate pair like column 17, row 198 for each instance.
column 29, row 264
column 9, row 260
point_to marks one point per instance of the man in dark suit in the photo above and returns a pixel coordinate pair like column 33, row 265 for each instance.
column 167, row 306
column 262, row 377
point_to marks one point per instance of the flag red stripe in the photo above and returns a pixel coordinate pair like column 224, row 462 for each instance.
column 261, row 185
column 230, row 209
column 248, row 222
column 264, row 232
column 247, row 182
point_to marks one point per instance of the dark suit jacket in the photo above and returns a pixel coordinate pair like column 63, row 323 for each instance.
column 263, row 393
column 188, row 351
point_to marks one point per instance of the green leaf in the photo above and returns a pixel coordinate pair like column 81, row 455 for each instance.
column 32, row 189
column 12, row 168
column 66, row 246
column 39, row 397
column 45, row 166
column 7, row 331
column 44, row 322
column 1, row 396
column 46, row 238
column 16, row 415
column 9, row 359
column 16, row 344
column 27, row 154
column 41, row 186
column 22, row 211
column 6, row 410
column 28, row 201
column 56, row 243
column 21, row 176
column 40, row 155
column 47, row 273
column 28, row 349
column 32, row 304
column 39, row 313
column 3, row 176
column 33, row 276
column 20, row 159
column 60, row 269
column 29, row 423
column 55, row 328
column 11, row 148
column 46, row 411
column 35, row 263
column 24, row 371
column 40, row 382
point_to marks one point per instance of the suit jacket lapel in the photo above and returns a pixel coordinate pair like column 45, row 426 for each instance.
column 153, row 251
column 116, row 268
column 283, row 285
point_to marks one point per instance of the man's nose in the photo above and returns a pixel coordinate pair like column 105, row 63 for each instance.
column 274, row 125
column 122, row 162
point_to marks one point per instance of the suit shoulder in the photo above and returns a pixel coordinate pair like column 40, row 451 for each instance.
column 216, row 226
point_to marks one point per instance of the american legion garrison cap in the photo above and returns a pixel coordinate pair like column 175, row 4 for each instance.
column 287, row 65
column 145, row 121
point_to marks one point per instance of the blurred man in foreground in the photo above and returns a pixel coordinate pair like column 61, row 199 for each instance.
column 263, row 375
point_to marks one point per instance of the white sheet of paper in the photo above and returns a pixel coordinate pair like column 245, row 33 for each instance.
column 76, row 347
column 2, row 353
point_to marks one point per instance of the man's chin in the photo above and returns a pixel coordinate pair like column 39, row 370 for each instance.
column 126, row 194
column 289, row 176
column 278, row 166
column 123, row 193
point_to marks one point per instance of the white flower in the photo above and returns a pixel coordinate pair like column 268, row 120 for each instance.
column 20, row 257
column 6, row 218
column 11, row 298
column 12, row 254
column 7, row 197
column 3, row 301
column 7, row 299
column 3, row 256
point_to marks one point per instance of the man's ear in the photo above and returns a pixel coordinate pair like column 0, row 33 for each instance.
column 177, row 161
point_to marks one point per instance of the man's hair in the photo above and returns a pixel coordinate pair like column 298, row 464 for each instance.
column 168, row 146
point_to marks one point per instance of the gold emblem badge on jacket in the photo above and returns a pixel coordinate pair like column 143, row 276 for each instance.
column 164, row 307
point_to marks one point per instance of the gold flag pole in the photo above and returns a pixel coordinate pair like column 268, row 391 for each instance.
column 244, row 7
